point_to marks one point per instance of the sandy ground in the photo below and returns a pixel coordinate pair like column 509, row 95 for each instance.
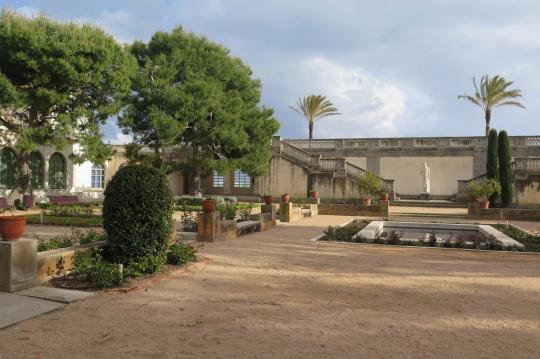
column 277, row 295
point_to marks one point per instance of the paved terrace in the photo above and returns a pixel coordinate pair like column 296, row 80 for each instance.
column 277, row 295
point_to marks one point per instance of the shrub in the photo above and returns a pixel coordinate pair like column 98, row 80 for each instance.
column 492, row 162
column 137, row 213
column 74, row 210
column 76, row 238
column 197, row 201
column 227, row 210
column 181, row 253
column 144, row 265
column 90, row 267
column 484, row 189
column 505, row 169
column 188, row 221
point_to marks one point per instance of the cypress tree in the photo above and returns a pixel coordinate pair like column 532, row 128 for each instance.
column 492, row 163
column 505, row 169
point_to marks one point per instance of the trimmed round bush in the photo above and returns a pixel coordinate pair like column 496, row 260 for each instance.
column 137, row 213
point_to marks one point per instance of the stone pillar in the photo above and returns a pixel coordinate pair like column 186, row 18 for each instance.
column 272, row 209
column 208, row 227
column 384, row 208
column 18, row 265
column 285, row 212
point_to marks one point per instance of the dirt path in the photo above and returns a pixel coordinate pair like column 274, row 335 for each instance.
column 276, row 295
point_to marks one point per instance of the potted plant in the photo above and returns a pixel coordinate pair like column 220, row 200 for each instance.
column 482, row 190
column 268, row 199
column 208, row 205
column 314, row 194
column 12, row 227
column 285, row 198
column 384, row 196
column 369, row 183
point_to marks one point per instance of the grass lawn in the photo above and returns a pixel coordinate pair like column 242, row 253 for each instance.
column 89, row 221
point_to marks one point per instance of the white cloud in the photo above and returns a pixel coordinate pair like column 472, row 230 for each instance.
column 369, row 106
column 517, row 35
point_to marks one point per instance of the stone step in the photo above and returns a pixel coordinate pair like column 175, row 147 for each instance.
column 432, row 204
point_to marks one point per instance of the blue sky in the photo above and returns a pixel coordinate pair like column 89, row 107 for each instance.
column 392, row 67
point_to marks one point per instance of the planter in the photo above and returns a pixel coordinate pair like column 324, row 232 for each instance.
column 384, row 196
column 12, row 227
column 483, row 204
column 268, row 199
column 284, row 198
column 208, row 205
column 314, row 194
column 366, row 201
column 28, row 201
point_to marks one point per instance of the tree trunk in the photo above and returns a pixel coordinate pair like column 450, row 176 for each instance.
column 310, row 130
column 488, row 121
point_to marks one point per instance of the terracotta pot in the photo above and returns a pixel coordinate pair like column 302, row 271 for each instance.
column 483, row 204
column 285, row 198
column 28, row 201
column 366, row 201
column 12, row 227
column 314, row 194
column 384, row 196
column 208, row 205
column 268, row 199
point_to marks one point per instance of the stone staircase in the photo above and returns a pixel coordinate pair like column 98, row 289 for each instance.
column 320, row 164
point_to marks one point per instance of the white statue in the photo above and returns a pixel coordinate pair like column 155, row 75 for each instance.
column 426, row 177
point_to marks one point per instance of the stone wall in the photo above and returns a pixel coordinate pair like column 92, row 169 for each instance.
column 284, row 177
column 516, row 214
column 375, row 210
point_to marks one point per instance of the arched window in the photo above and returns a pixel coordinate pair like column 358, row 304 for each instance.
column 57, row 171
column 97, row 179
column 35, row 162
column 241, row 179
column 218, row 180
column 9, row 171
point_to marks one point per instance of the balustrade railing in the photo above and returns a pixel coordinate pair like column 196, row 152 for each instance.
column 527, row 164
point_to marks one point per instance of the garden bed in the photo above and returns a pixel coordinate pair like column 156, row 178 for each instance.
column 74, row 221
column 351, row 232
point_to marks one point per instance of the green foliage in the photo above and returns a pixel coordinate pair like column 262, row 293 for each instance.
column 314, row 107
column 76, row 238
column 181, row 253
column 18, row 204
column 343, row 233
column 531, row 242
column 137, row 213
column 492, row 162
column 91, row 267
column 93, row 221
column 72, row 210
column 58, row 82
column 197, row 201
column 370, row 182
column 188, row 219
column 505, row 169
column 484, row 189
column 492, row 92
column 144, row 265
column 191, row 96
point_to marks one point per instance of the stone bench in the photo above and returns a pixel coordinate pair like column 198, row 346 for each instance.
column 248, row 227
column 64, row 200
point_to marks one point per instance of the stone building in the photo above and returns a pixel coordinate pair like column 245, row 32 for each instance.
column 332, row 166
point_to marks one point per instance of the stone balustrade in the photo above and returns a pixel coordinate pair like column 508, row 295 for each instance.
column 408, row 142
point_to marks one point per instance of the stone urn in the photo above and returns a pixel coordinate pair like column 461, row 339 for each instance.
column 268, row 199
column 208, row 205
column 366, row 201
column 12, row 227
column 284, row 198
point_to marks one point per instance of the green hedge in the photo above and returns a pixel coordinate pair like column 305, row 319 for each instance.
column 197, row 201
column 94, row 221
column 137, row 213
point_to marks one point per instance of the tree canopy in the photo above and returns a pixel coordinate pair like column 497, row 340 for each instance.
column 58, row 82
column 191, row 96
column 313, row 107
column 492, row 92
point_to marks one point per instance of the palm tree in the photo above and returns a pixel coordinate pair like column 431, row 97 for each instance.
column 493, row 92
column 313, row 107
